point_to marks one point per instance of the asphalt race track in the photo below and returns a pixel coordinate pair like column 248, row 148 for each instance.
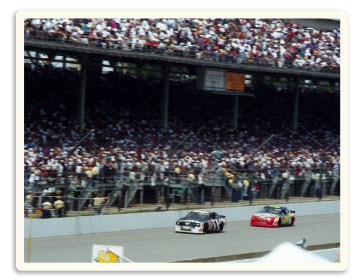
column 163, row 245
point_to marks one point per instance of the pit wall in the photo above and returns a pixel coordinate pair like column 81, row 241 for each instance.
column 118, row 222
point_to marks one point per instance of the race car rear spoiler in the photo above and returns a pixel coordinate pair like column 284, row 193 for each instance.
column 222, row 216
column 292, row 211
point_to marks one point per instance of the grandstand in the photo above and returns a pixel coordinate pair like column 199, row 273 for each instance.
column 214, row 110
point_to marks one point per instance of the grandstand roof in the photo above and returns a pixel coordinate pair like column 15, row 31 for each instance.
column 322, row 23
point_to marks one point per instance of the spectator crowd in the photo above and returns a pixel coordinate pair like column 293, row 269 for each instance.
column 273, row 42
column 125, row 114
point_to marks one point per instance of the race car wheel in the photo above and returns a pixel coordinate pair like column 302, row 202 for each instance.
column 221, row 227
column 292, row 221
column 279, row 223
column 206, row 228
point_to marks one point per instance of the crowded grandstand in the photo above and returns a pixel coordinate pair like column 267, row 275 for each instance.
column 272, row 42
column 127, row 141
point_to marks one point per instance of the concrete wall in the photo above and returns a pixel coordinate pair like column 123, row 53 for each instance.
column 117, row 222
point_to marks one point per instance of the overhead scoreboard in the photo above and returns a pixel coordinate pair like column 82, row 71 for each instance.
column 221, row 81
column 235, row 81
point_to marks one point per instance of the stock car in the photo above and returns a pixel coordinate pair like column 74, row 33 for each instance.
column 201, row 222
column 273, row 216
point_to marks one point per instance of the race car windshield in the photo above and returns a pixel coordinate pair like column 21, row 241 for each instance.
column 271, row 210
column 202, row 217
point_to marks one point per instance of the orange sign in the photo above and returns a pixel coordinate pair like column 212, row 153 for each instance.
column 235, row 81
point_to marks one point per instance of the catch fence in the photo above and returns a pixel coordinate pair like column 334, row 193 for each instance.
column 126, row 190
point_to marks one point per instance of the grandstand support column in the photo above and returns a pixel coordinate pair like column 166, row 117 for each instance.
column 296, row 88
column 138, row 70
column 165, row 98
column 51, row 56
column 235, row 112
column 84, row 67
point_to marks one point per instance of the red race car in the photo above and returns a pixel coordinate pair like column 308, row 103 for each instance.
column 273, row 216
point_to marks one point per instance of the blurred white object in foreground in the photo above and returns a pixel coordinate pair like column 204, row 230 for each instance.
column 288, row 253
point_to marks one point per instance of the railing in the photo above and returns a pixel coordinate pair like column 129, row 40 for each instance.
column 193, row 52
column 124, row 190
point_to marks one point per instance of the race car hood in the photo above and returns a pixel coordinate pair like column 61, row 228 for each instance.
column 267, row 215
column 192, row 223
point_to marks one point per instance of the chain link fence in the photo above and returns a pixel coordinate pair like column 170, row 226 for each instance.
column 126, row 190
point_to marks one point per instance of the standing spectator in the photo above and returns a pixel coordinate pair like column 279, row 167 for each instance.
column 177, row 174
column 201, row 189
column 28, row 204
column 257, row 190
column 132, row 176
column 318, row 187
column 70, row 199
column 31, row 181
column 46, row 209
column 88, row 176
column 286, row 184
column 251, row 192
column 229, row 181
column 94, row 175
column 59, row 207
column 99, row 202
column 191, row 179
column 240, row 186
column 246, row 184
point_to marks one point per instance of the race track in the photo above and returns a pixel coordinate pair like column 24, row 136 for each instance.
column 163, row 245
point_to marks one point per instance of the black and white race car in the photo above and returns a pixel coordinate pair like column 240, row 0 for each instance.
column 201, row 222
